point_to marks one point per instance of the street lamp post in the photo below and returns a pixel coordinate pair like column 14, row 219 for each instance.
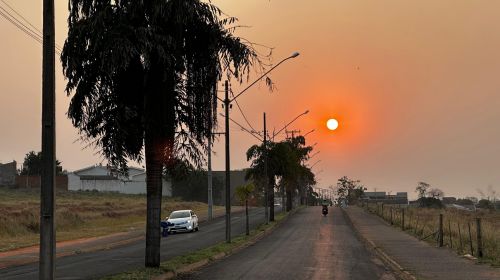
column 227, row 103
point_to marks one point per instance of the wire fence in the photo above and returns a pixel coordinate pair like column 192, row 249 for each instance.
column 467, row 232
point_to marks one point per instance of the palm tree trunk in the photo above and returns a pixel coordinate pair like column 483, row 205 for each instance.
column 246, row 213
column 154, row 190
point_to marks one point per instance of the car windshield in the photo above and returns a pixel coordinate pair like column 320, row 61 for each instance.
column 181, row 214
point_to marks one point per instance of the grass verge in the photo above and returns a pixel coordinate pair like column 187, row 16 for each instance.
column 172, row 267
column 78, row 215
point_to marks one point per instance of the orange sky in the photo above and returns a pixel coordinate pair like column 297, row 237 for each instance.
column 414, row 86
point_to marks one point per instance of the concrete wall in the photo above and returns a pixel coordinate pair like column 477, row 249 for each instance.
column 35, row 182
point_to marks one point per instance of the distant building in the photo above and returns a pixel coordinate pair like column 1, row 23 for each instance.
column 8, row 172
column 107, row 179
column 383, row 197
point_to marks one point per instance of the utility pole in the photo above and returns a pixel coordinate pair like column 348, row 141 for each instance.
column 209, row 167
column 228, row 168
column 291, row 132
column 47, row 194
column 266, row 179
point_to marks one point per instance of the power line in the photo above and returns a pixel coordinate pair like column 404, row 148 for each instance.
column 31, row 30
column 244, row 116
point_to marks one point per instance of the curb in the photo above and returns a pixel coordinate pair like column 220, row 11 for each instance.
column 386, row 259
column 194, row 266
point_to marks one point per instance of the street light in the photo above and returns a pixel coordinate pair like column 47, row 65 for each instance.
column 309, row 132
column 318, row 161
column 314, row 154
column 276, row 134
column 227, row 103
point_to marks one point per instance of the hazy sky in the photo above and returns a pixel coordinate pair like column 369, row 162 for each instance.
column 414, row 84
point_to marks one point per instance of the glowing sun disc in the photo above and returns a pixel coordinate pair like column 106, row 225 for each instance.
column 332, row 124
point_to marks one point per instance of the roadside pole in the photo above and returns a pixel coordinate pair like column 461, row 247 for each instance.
column 47, row 195
column 209, row 167
column 228, row 168
column 266, row 180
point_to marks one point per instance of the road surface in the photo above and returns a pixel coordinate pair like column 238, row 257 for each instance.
column 306, row 246
column 97, row 264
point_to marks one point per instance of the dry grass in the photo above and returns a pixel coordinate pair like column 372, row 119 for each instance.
column 78, row 215
column 424, row 223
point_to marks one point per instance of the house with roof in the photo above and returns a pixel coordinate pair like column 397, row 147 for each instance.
column 106, row 179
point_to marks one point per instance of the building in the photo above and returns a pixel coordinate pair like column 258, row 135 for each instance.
column 383, row 197
column 107, row 179
column 8, row 173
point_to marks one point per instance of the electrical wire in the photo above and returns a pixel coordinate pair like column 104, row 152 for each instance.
column 244, row 116
column 31, row 30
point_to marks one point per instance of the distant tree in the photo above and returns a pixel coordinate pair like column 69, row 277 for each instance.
column 422, row 188
column 244, row 193
column 485, row 204
column 349, row 190
column 32, row 164
column 192, row 186
column 435, row 193
column 430, row 202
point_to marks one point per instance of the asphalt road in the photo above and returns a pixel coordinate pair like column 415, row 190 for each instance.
column 306, row 246
column 97, row 264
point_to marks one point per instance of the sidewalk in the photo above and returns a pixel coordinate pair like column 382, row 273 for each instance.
column 416, row 257
column 72, row 247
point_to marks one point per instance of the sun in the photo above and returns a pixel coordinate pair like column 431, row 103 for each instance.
column 332, row 124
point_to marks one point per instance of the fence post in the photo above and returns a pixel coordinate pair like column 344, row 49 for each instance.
column 479, row 238
column 440, row 236
column 460, row 237
column 449, row 232
column 403, row 219
column 392, row 223
column 470, row 240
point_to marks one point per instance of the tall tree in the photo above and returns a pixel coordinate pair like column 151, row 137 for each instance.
column 349, row 190
column 32, row 164
column 422, row 188
column 144, row 78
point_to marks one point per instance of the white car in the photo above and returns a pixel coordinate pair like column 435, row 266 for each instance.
column 182, row 220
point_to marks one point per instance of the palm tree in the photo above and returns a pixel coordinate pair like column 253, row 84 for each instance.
column 244, row 192
column 144, row 79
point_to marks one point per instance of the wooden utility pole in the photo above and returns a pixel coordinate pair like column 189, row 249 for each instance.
column 228, row 168
column 266, row 179
column 209, row 168
column 440, row 234
column 47, row 194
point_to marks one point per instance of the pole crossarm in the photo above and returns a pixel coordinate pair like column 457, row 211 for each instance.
column 279, row 131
